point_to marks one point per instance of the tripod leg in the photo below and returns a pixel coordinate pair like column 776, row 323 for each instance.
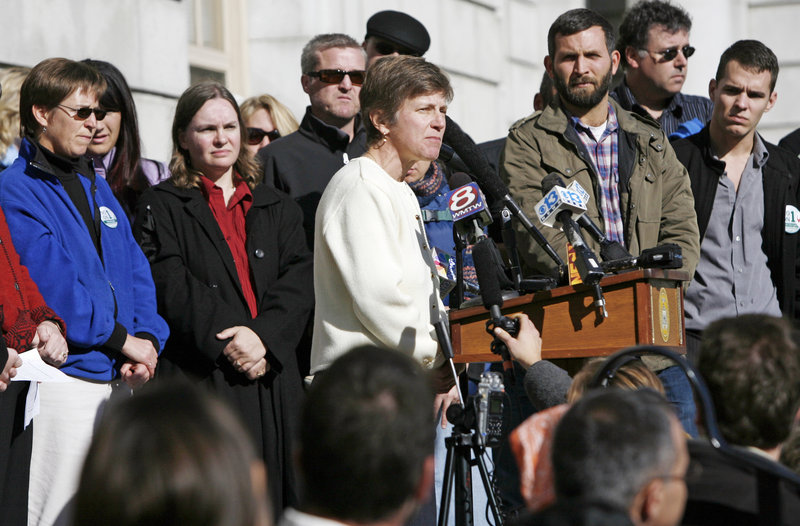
column 478, row 452
column 447, row 484
column 464, row 512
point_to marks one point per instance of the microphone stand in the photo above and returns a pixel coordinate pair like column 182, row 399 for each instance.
column 457, row 296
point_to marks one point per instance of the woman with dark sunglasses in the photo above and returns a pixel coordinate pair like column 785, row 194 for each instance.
column 230, row 263
column 266, row 120
column 74, row 238
column 116, row 150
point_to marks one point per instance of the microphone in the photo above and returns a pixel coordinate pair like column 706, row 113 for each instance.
column 609, row 249
column 667, row 256
column 558, row 205
column 485, row 256
column 468, row 151
column 470, row 212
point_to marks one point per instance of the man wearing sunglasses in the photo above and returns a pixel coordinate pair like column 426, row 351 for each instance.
column 302, row 163
column 655, row 51
column 394, row 33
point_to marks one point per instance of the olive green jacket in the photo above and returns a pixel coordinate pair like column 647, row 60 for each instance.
column 655, row 191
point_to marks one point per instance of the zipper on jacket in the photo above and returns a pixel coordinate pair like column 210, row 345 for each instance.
column 114, row 295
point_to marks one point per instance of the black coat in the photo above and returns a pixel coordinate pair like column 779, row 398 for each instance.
column 781, row 181
column 199, row 295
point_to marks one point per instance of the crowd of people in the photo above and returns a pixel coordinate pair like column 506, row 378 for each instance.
column 249, row 331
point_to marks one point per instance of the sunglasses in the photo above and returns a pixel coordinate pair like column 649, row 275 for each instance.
column 387, row 48
column 85, row 112
column 335, row 76
column 670, row 53
column 256, row 135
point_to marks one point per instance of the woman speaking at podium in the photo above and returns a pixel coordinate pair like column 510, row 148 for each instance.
column 373, row 265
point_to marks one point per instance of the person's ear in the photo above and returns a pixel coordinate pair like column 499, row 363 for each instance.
column 773, row 98
column 648, row 503
column 615, row 57
column 548, row 65
column 632, row 56
column 379, row 121
column 305, row 81
column 41, row 114
column 712, row 87
column 182, row 139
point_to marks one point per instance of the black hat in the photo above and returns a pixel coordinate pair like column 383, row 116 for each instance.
column 399, row 28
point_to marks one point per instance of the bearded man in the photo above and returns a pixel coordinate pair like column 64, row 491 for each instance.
column 640, row 193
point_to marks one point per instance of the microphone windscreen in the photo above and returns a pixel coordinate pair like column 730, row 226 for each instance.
column 550, row 181
column 459, row 179
column 475, row 160
column 486, row 270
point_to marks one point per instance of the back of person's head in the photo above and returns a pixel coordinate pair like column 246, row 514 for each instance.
column 366, row 436
column 577, row 20
column 171, row 455
column 634, row 30
column 610, row 444
column 11, row 80
column 631, row 375
column 753, row 56
column 751, row 365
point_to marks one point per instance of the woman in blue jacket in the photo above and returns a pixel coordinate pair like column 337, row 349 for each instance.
column 76, row 242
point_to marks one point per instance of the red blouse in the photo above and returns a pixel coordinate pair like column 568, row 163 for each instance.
column 22, row 307
column 231, row 220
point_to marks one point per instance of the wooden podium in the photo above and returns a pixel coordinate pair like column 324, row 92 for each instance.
column 645, row 307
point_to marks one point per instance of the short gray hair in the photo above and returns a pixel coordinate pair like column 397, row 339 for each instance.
column 308, row 59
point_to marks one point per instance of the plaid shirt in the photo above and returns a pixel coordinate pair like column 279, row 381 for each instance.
column 605, row 155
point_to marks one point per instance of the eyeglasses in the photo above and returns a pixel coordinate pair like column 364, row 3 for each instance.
column 335, row 76
column 85, row 112
column 670, row 53
column 387, row 48
column 256, row 135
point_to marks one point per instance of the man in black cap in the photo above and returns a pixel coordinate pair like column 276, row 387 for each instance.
column 394, row 33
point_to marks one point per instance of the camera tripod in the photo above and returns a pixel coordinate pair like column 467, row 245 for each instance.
column 463, row 452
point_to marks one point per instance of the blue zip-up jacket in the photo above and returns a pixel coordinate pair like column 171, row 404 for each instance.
column 97, row 299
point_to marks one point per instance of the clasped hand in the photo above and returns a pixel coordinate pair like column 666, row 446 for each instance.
column 246, row 352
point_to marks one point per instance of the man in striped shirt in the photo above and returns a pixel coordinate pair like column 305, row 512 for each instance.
column 654, row 47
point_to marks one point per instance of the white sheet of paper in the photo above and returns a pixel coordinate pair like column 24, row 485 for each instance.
column 35, row 370
column 31, row 403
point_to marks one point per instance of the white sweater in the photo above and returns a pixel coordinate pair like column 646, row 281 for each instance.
column 374, row 276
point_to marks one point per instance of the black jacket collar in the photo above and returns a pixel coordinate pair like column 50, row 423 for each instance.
column 262, row 195
column 330, row 136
